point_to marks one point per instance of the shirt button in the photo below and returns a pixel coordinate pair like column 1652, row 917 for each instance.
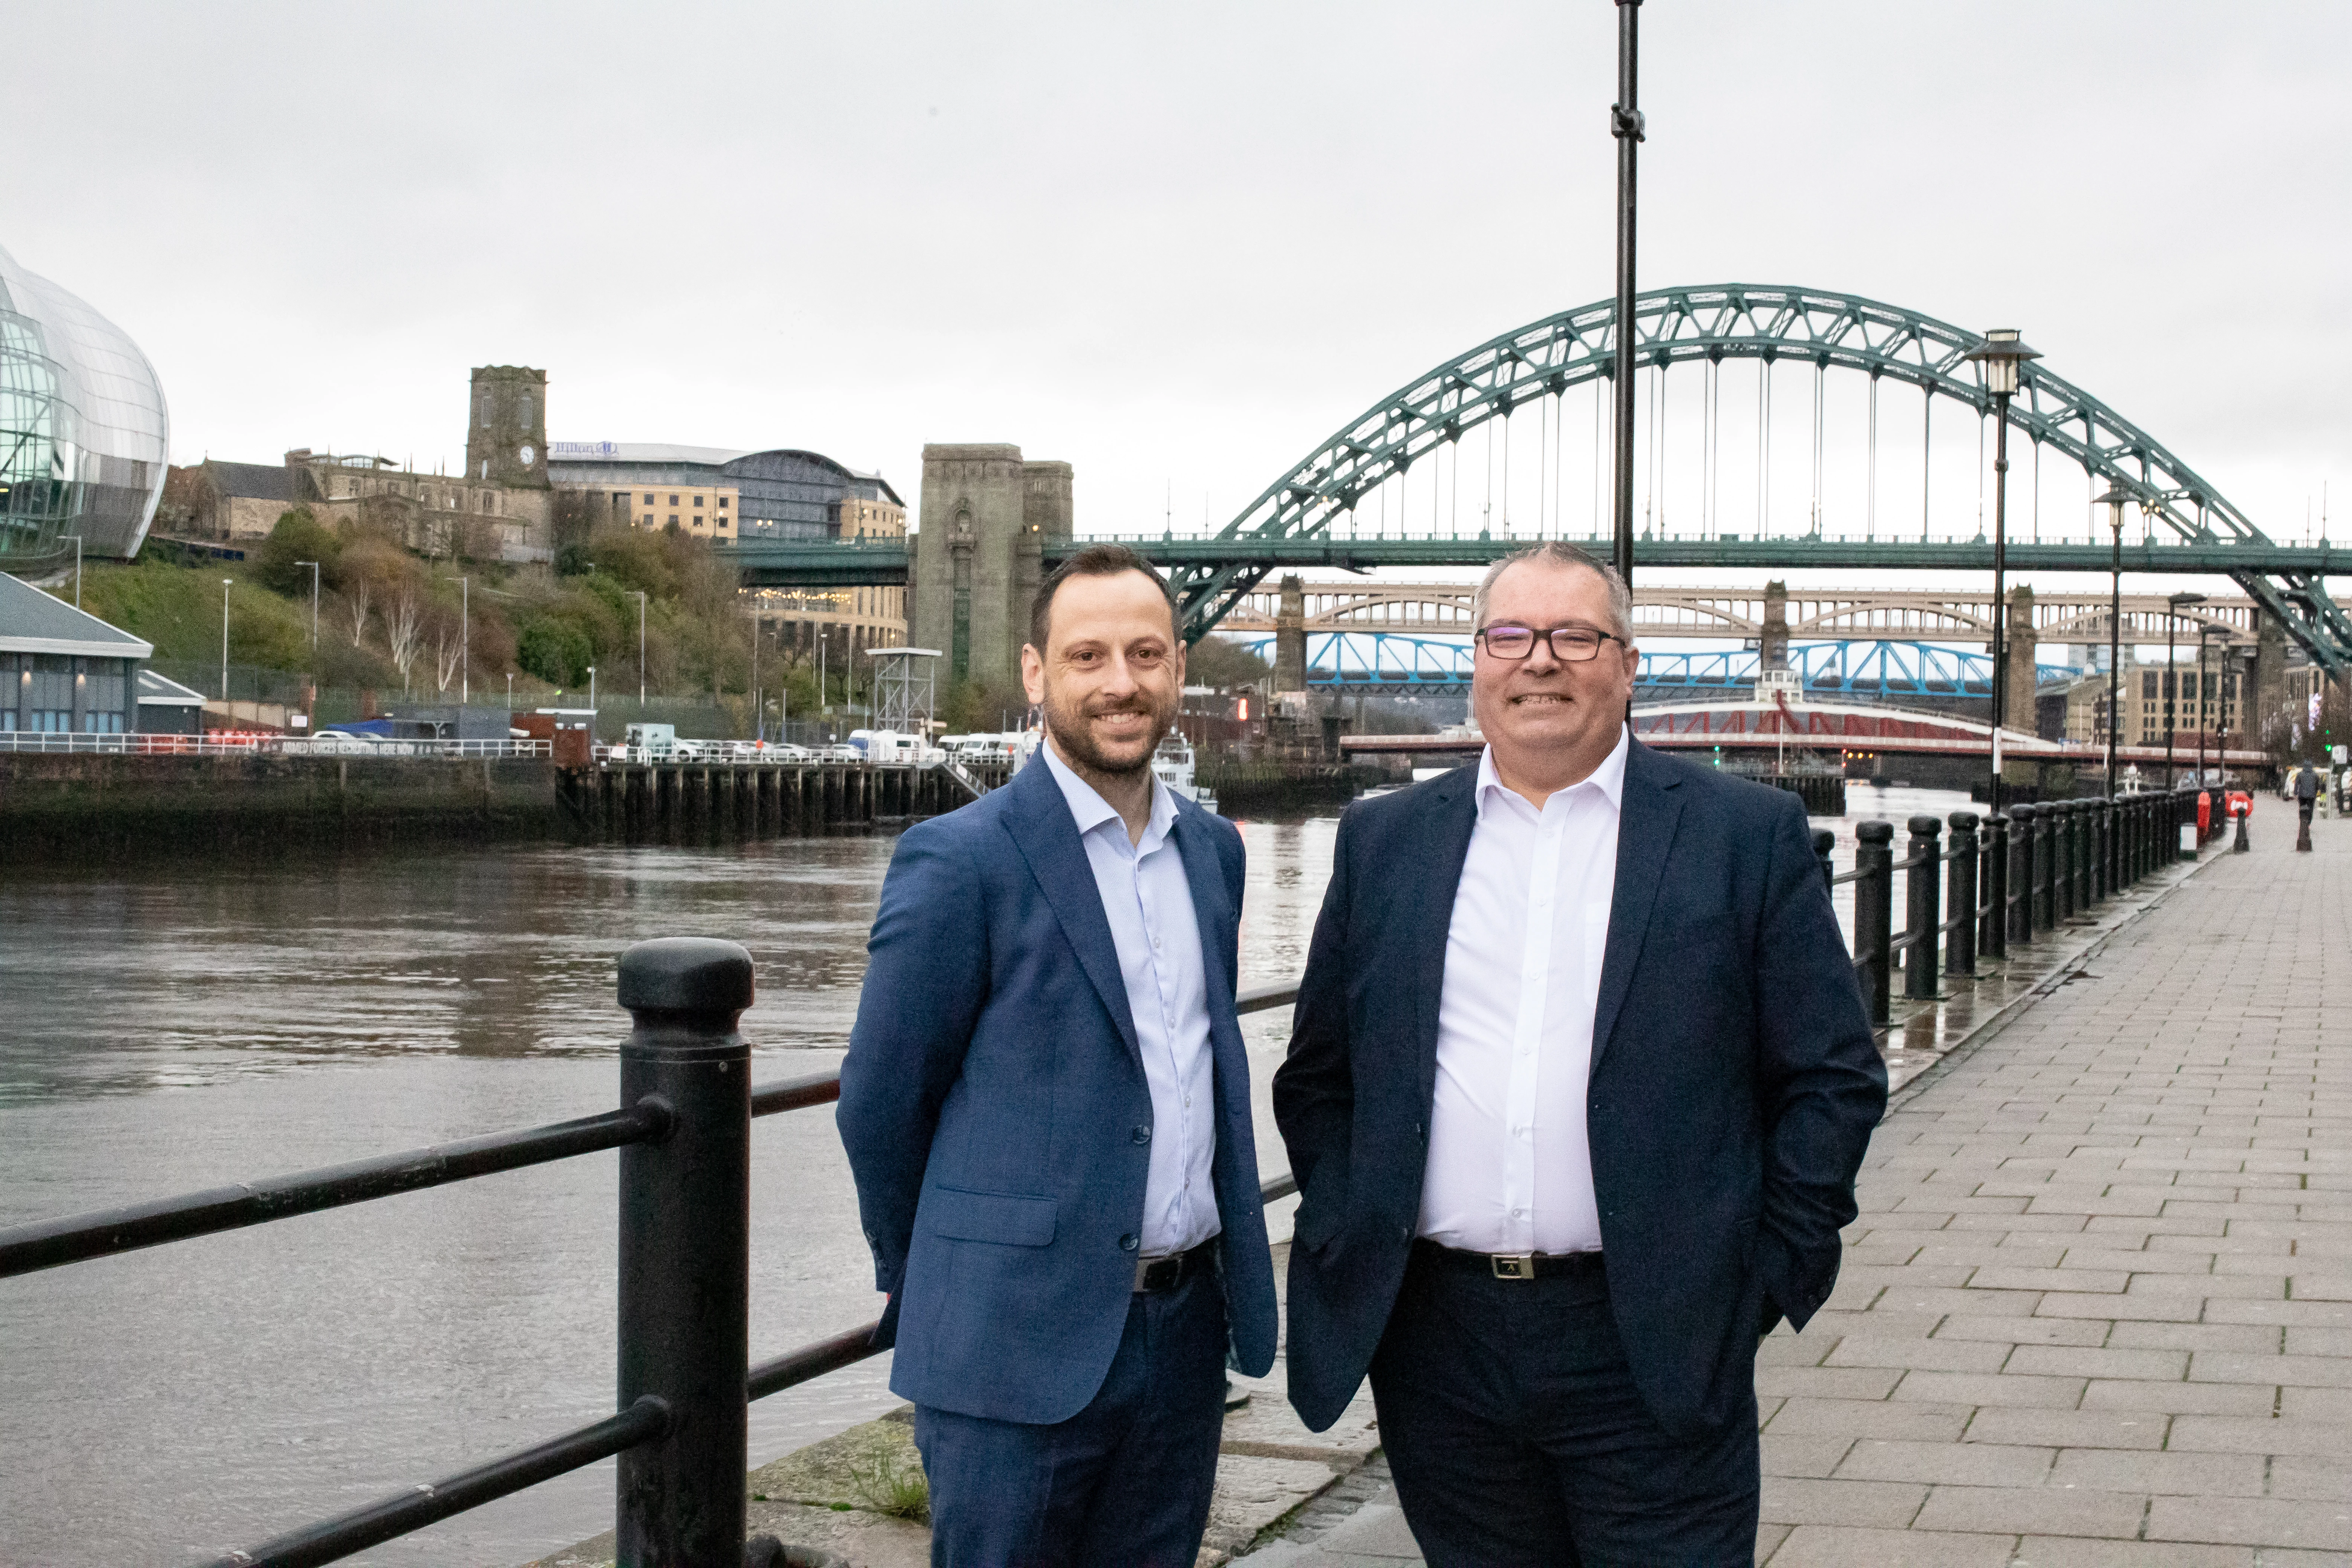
column 1128, row 1243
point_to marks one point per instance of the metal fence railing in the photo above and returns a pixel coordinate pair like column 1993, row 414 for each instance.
column 683, row 1129
column 247, row 742
column 2015, row 877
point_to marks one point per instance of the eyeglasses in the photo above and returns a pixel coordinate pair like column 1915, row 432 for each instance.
column 1570, row 645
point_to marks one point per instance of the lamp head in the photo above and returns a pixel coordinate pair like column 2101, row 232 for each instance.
column 2002, row 353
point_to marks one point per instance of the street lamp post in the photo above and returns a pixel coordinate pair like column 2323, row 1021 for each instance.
column 1625, row 124
column 2004, row 357
column 314, row 609
column 2114, row 498
column 465, row 642
column 641, row 652
column 2205, row 635
column 592, row 704
column 2172, row 675
column 224, row 583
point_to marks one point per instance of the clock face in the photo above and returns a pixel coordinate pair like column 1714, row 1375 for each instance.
column 528, row 455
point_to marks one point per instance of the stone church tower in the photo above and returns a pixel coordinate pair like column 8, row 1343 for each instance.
column 506, row 427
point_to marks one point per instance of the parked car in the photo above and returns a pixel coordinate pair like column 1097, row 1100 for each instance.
column 336, row 743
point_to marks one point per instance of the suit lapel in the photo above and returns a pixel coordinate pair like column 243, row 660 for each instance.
column 1206, row 879
column 1039, row 820
column 1647, row 812
column 1430, row 889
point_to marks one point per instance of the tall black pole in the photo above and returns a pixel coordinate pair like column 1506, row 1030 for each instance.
column 2000, row 581
column 1625, row 124
column 2114, row 645
column 2171, row 689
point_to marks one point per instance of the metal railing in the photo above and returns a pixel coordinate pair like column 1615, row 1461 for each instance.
column 249, row 742
column 685, row 1380
column 2015, row 877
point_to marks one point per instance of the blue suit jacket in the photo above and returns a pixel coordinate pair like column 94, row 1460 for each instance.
column 997, row 1119
column 1735, row 1080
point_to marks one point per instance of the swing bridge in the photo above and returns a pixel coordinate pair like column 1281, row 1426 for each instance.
column 1387, row 489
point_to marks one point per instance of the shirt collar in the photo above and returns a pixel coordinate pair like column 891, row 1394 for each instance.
column 1092, row 811
column 1609, row 778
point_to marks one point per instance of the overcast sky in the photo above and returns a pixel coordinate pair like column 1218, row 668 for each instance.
column 1174, row 245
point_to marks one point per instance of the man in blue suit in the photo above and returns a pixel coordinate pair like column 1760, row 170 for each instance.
column 1579, row 1084
column 1048, row 1113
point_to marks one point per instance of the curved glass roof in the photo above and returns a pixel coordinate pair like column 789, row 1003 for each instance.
column 84, row 434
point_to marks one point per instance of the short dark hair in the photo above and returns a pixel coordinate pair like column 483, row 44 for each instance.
column 1093, row 561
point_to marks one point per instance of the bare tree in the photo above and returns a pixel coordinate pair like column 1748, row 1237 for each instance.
column 401, row 627
column 448, row 651
column 358, row 597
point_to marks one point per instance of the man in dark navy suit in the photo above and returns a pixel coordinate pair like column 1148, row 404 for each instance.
column 1047, row 1111
column 1579, row 1084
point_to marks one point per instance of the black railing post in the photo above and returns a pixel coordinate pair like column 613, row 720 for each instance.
column 2070, row 837
column 2103, row 845
column 684, row 1282
column 2038, row 906
column 1923, row 895
column 1874, row 913
column 2021, row 872
column 1960, row 897
column 1824, row 841
column 1992, row 933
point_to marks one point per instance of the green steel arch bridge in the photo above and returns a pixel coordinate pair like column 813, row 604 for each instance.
column 1313, row 516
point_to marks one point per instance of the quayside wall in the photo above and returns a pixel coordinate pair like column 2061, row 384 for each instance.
column 92, row 807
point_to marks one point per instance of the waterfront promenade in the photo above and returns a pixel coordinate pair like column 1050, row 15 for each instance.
column 2097, row 1310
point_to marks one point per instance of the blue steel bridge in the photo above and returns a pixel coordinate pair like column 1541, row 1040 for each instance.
column 1388, row 488
column 1396, row 663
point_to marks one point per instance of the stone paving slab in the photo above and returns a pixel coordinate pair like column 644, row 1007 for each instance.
column 2097, row 1310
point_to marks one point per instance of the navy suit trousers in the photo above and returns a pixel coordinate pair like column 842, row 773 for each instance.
column 1126, row 1480
column 1518, row 1438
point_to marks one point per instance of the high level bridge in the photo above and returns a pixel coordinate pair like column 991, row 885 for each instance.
column 1754, row 614
column 1388, row 488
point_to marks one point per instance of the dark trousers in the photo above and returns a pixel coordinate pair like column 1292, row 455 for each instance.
column 1126, row 1480
column 1517, row 1436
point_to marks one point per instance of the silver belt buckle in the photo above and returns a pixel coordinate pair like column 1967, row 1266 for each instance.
column 1514, row 1265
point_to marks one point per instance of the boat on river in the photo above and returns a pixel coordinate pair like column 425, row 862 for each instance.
column 1171, row 764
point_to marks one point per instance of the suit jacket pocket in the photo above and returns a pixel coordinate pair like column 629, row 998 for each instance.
column 1317, row 1224
column 1010, row 1219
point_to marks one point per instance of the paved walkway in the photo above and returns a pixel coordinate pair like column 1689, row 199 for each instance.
column 2097, row 1311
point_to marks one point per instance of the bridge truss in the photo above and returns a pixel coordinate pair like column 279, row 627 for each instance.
column 1708, row 325
column 1881, row 616
column 1404, row 664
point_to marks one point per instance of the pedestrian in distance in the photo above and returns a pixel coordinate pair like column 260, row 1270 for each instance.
column 2306, row 795
column 1046, row 1109
column 1578, row 1082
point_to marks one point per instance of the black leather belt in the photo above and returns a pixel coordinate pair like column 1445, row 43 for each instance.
column 1510, row 1265
column 1152, row 1274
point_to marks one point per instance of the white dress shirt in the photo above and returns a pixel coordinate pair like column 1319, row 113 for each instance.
column 1147, row 900
column 1509, row 1166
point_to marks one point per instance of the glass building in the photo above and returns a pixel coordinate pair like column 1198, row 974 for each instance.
column 84, row 433
column 782, row 494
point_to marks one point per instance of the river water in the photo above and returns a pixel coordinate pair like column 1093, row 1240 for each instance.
column 184, row 1026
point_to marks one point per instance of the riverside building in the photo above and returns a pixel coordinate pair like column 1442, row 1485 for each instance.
column 85, row 436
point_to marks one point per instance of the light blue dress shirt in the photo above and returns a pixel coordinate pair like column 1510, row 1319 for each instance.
column 1148, row 901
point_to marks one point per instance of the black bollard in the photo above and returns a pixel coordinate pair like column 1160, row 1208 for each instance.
column 1922, row 894
column 1873, row 913
column 2240, row 846
column 1823, row 842
column 1960, row 897
column 684, row 1282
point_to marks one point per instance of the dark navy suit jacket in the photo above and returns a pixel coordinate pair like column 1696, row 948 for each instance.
column 1735, row 1080
column 997, row 1119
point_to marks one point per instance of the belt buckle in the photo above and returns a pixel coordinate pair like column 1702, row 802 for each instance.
column 1513, row 1265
